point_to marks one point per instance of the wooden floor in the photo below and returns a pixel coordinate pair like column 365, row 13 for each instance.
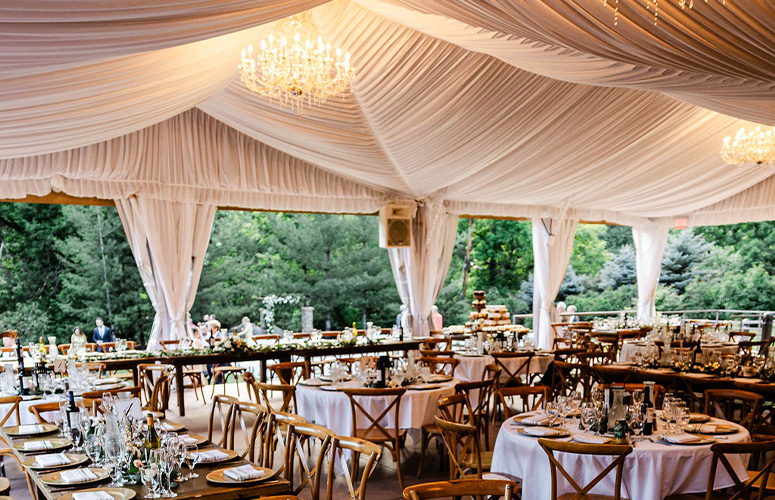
column 383, row 485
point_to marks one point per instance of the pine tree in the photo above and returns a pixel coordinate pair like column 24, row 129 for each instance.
column 684, row 250
column 620, row 270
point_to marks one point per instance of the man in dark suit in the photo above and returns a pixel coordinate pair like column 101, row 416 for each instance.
column 102, row 333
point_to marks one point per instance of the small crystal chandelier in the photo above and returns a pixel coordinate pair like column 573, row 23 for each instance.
column 757, row 146
column 295, row 66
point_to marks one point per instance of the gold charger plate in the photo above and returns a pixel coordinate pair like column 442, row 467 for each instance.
column 520, row 419
column 705, row 440
column 116, row 493
column 75, row 459
column 694, row 418
column 13, row 430
column 217, row 476
column 422, row 387
column 720, row 429
column 231, row 456
column 199, row 439
column 53, row 478
column 56, row 444
column 561, row 433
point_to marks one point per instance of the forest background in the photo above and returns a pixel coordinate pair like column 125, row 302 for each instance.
column 62, row 266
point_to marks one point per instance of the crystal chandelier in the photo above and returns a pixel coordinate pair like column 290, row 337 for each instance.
column 757, row 146
column 295, row 66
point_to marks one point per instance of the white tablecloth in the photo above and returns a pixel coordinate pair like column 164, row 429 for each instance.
column 630, row 348
column 331, row 409
column 651, row 472
column 471, row 368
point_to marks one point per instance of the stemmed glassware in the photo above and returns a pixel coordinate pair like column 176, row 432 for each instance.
column 589, row 416
column 180, row 459
column 636, row 422
column 192, row 458
column 150, row 475
column 166, row 465
column 114, row 459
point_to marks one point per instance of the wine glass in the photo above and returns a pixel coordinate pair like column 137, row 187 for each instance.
column 113, row 459
column 636, row 421
column 589, row 416
column 637, row 397
column 192, row 458
column 150, row 475
column 167, row 463
column 94, row 451
column 553, row 410
column 108, row 401
column 180, row 459
column 398, row 375
column 84, row 423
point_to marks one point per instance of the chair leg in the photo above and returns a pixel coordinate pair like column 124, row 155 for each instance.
column 236, row 382
column 423, row 447
column 397, row 456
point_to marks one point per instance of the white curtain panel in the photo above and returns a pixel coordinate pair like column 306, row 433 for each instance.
column 169, row 242
column 650, row 239
column 552, row 248
column 420, row 271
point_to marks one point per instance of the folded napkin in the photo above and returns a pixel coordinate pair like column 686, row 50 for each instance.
column 162, row 425
column 708, row 429
column 313, row 382
column 92, row 495
column 77, row 476
column 37, row 445
column 682, row 438
column 52, row 460
column 540, row 431
column 538, row 419
column 187, row 439
column 591, row 439
column 31, row 429
column 212, row 456
column 243, row 473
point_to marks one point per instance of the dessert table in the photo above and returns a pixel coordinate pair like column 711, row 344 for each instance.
column 651, row 472
column 628, row 350
column 471, row 367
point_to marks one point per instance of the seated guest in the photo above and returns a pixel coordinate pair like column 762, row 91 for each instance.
column 573, row 318
column 78, row 337
column 561, row 309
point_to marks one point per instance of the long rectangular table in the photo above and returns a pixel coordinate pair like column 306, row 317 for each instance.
column 307, row 353
column 198, row 488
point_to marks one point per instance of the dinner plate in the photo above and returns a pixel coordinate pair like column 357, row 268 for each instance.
column 313, row 382
column 217, row 476
column 231, row 456
column 561, row 433
column 705, row 440
column 75, row 459
column 56, row 444
column 720, row 429
column 105, row 381
column 53, row 478
column 440, row 378
column 199, row 439
column 13, row 431
column 332, row 388
column 326, row 378
column 520, row 419
column 694, row 418
column 116, row 493
column 422, row 387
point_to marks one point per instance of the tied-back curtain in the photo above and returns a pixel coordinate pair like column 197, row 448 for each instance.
column 552, row 248
column 420, row 270
column 168, row 241
column 650, row 239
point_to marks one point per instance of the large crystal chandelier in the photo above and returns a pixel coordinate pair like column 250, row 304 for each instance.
column 295, row 66
column 756, row 146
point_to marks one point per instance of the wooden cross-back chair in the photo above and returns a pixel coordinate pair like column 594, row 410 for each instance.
column 569, row 377
column 540, row 394
column 376, row 432
column 358, row 447
column 479, row 394
column 463, row 449
column 435, row 354
column 308, row 476
column 247, row 426
column 741, row 336
column 476, row 489
column 613, row 374
column 753, row 346
column 278, row 423
column 133, row 392
column 440, row 365
column 147, row 373
column 456, row 408
column 511, row 375
column 735, row 405
column 595, row 357
column 290, row 372
column 619, row 452
column 262, row 393
column 220, row 413
column 437, row 343
column 12, row 410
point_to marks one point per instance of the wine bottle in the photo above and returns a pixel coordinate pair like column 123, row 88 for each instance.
column 355, row 330
column 72, row 414
column 152, row 441
column 698, row 352
column 603, row 429
column 647, row 408
column 24, row 384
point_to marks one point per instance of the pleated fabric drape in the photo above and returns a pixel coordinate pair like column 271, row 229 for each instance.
column 650, row 239
column 552, row 248
column 420, row 270
column 169, row 242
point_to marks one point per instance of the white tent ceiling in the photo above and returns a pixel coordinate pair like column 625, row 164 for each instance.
column 507, row 108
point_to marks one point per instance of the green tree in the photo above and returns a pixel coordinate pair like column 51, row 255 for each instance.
column 754, row 241
column 502, row 254
column 683, row 252
column 589, row 249
column 616, row 237
column 620, row 270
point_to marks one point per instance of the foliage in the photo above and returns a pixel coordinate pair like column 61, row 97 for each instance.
column 683, row 251
column 616, row 237
column 589, row 249
column 28, row 319
column 610, row 299
column 620, row 270
column 502, row 255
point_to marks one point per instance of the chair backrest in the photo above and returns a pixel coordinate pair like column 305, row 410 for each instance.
column 146, row 373
column 160, row 394
column 134, row 392
column 376, row 427
column 762, row 447
column 738, row 336
column 107, row 346
column 11, row 410
column 437, row 343
column 595, row 357
column 247, row 425
column 738, row 406
column 309, row 475
column 462, row 442
column 459, row 488
column 39, row 409
column 514, row 366
column 613, row 374
column 569, row 377
column 372, row 453
column 440, row 365
column 94, row 366
column 169, row 345
column 492, row 371
column 749, row 346
column 456, row 408
column 539, row 393
column 290, row 372
column 481, row 392
column 277, row 423
column 433, row 353
column 220, row 414
column 287, row 391
column 268, row 336
column 619, row 451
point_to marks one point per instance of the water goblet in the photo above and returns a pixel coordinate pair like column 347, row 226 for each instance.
column 167, row 464
column 113, row 459
column 553, row 410
column 108, row 401
column 589, row 416
column 192, row 458
column 180, row 459
column 636, row 422
column 150, row 476
column 94, row 451
column 398, row 375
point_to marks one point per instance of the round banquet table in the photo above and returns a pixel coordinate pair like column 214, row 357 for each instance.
column 651, row 472
column 331, row 408
column 471, row 367
column 630, row 348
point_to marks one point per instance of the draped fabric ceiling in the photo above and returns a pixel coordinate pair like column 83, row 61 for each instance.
column 539, row 109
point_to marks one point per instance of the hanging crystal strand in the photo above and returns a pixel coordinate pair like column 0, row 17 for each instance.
column 616, row 13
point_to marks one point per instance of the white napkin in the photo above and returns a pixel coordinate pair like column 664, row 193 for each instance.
column 682, row 438
column 537, row 419
column 243, row 473
column 540, row 431
column 212, row 456
column 51, row 460
column 591, row 439
column 37, row 445
column 77, row 476
column 31, row 429
column 92, row 495
column 708, row 429
column 186, row 439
